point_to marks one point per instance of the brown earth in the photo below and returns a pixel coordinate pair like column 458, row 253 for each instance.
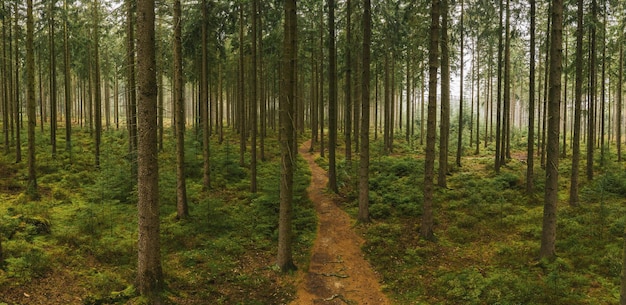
column 338, row 272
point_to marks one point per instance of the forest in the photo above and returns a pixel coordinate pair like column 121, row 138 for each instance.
column 312, row 152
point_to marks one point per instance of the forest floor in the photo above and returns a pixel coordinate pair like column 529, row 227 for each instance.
column 338, row 273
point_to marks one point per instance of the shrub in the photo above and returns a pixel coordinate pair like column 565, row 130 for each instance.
column 34, row 263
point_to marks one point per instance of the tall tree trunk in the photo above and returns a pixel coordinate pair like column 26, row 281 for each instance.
column 17, row 108
column 241, row 113
column 603, row 86
column 131, row 88
column 321, row 82
column 149, row 272
column 620, row 95
column 68, row 85
column 548, row 234
column 96, row 81
column 477, row 149
column 262, row 108
column 564, row 130
column 499, row 152
column 530, row 157
column 364, row 160
column 30, row 99
column 573, row 194
column 505, row 151
column 160, row 111
column 348, row 96
column 288, row 155
column 204, row 100
column 254, row 100
column 314, row 107
column 444, row 127
column 6, row 84
column 459, row 140
column 591, row 119
column 182, row 210
column 426, row 229
column 546, row 79
column 332, row 99
column 53, row 79
column 387, row 106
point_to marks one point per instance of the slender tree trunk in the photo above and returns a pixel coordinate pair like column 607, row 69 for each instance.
column 444, row 127
column 53, row 79
column 505, row 152
column 96, row 80
column 477, row 151
column 620, row 94
column 314, row 107
column 564, row 130
column 30, row 100
column 364, row 160
column 182, row 210
column 68, row 85
column 426, row 229
column 204, row 100
column 288, row 155
column 17, row 103
column 603, row 87
column 254, row 101
column 530, row 157
column 348, row 92
column 573, row 194
column 499, row 152
column 241, row 113
column 262, row 110
column 6, row 84
column 459, row 147
column 422, row 105
column 591, row 119
column 548, row 235
column 332, row 99
column 161, row 105
column 149, row 272
column 321, row 83
column 387, row 107
column 132, row 94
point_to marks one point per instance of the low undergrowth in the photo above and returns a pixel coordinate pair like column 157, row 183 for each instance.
column 489, row 233
column 82, row 232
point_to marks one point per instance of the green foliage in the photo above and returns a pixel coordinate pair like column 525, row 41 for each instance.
column 31, row 263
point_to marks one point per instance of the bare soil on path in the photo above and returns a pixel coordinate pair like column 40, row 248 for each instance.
column 338, row 272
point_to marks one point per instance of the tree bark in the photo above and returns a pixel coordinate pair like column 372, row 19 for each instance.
column 30, row 100
column 53, row 79
column 182, row 210
column 149, row 272
column 348, row 92
column 254, row 101
column 444, row 127
column 332, row 99
column 548, row 234
column 96, row 81
column 204, row 100
column 364, row 160
column 530, row 157
column 426, row 229
column 573, row 194
column 288, row 155
column 459, row 147
column 68, row 85
column 131, row 87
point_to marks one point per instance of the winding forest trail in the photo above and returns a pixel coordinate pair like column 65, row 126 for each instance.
column 338, row 273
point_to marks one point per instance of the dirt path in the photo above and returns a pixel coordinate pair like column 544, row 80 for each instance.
column 338, row 273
